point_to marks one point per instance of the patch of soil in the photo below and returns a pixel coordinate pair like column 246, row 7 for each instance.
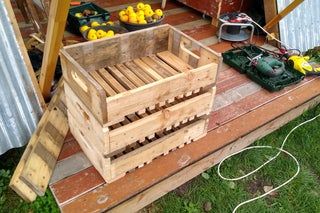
column 256, row 187
column 183, row 189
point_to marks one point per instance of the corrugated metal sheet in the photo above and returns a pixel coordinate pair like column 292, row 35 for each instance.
column 20, row 108
column 300, row 28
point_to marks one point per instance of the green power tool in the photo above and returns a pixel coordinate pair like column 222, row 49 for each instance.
column 267, row 65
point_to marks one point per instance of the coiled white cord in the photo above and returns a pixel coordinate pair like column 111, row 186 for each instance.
column 265, row 163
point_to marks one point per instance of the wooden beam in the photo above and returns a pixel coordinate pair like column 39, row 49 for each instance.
column 24, row 53
column 275, row 20
column 56, row 26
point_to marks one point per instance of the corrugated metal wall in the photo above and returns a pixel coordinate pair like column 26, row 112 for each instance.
column 19, row 108
column 300, row 28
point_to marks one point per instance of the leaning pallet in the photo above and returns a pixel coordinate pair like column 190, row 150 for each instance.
column 137, row 96
column 33, row 172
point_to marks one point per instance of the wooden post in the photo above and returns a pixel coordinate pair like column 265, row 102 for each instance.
column 56, row 25
column 34, row 15
column 215, row 20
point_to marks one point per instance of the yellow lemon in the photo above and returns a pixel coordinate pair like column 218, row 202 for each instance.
column 140, row 17
column 104, row 24
column 133, row 20
column 78, row 15
column 129, row 10
column 124, row 18
column 140, row 12
column 148, row 13
column 95, row 24
column 100, row 33
column 147, row 6
column 84, row 28
column 159, row 12
column 92, row 35
column 110, row 32
column 132, row 15
column 140, row 6
column 142, row 22
column 92, row 31
column 122, row 12
column 110, row 23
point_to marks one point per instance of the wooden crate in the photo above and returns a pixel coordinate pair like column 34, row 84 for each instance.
column 110, row 140
column 140, row 70
column 141, row 95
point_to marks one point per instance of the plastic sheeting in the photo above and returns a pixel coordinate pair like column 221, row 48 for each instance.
column 20, row 108
column 300, row 28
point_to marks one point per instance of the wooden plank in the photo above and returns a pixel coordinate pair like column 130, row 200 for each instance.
column 160, row 120
column 121, row 78
column 174, row 61
column 24, row 53
column 163, row 65
column 23, row 189
column 56, row 25
column 153, row 65
column 150, row 151
column 233, row 131
column 119, row 49
column 147, row 69
column 104, row 84
column 130, row 75
column 111, row 80
column 161, row 91
column 139, row 72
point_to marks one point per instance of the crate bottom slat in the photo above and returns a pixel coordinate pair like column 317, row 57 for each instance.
column 112, row 168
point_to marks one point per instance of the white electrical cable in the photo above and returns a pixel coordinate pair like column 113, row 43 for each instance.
column 265, row 163
column 274, row 38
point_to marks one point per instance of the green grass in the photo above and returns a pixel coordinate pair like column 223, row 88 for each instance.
column 9, row 200
column 301, row 195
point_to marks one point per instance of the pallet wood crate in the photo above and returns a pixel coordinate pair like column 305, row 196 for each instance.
column 134, row 107
column 116, row 77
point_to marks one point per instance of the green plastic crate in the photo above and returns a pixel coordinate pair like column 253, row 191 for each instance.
column 238, row 59
column 74, row 23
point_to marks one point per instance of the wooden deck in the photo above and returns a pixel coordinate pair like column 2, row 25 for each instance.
column 242, row 113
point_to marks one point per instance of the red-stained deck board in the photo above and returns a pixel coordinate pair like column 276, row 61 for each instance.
column 109, row 195
column 76, row 184
column 69, row 148
column 247, row 104
column 226, row 45
column 181, row 18
column 201, row 32
column 231, row 82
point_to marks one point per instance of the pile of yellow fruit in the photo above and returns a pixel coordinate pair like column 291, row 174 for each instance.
column 141, row 14
column 94, row 34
